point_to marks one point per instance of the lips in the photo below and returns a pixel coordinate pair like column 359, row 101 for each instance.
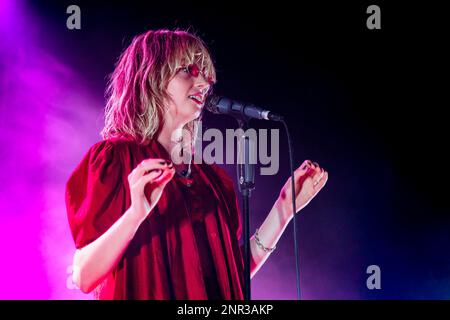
column 197, row 98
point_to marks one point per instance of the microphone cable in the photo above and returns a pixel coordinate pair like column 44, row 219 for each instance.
column 297, row 256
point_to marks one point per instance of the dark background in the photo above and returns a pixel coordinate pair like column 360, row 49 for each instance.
column 365, row 104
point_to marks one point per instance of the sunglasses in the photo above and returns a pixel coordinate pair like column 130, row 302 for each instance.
column 193, row 70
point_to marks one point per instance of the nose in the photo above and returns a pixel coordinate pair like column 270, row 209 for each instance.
column 201, row 83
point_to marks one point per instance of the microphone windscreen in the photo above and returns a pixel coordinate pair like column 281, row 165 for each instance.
column 211, row 103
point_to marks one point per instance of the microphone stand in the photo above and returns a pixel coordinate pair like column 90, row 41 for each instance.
column 246, row 182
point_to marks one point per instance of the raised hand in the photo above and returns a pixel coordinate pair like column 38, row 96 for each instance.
column 309, row 179
column 155, row 172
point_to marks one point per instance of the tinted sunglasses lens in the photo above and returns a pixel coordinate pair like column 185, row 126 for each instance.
column 193, row 70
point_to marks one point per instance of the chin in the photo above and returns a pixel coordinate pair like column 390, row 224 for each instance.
column 193, row 113
column 197, row 114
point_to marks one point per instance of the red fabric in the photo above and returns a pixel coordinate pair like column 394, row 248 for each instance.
column 163, row 261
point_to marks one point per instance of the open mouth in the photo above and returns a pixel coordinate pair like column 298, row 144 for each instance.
column 196, row 99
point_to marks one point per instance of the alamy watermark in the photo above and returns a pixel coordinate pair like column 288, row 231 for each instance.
column 374, row 20
column 211, row 146
column 74, row 20
column 374, row 280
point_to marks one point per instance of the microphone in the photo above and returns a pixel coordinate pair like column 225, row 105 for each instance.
column 222, row 105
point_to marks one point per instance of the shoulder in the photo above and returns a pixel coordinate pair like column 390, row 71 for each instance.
column 110, row 145
column 103, row 157
column 109, row 150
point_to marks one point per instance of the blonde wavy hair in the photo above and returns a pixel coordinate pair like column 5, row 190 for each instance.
column 137, row 88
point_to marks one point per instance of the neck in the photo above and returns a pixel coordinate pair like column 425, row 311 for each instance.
column 171, row 134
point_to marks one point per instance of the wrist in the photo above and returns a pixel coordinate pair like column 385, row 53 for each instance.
column 135, row 216
column 283, row 211
column 260, row 245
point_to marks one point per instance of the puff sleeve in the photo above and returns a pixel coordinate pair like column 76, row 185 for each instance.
column 95, row 193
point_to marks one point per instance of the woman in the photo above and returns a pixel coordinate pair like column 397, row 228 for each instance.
column 144, row 227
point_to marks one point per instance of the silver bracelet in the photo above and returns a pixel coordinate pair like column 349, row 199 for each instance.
column 258, row 242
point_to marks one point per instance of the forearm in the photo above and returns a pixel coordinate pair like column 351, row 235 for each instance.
column 269, row 233
column 95, row 261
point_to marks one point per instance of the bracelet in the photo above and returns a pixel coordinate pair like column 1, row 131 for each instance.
column 261, row 245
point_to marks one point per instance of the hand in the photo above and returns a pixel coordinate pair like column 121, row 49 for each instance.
column 155, row 172
column 309, row 179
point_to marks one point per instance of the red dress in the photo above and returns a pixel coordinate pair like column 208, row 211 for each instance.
column 188, row 248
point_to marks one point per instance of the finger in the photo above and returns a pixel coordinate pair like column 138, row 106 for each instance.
column 305, row 165
column 314, row 169
column 317, row 167
column 143, row 169
column 301, row 178
column 321, row 183
column 301, row 173
column 149, row 165
column 155, row 160
column 148, row 178
column 165, row 177
column 167, row 166
column 158, row 177
column 152, row 175
column 302, row 169
column 317, row 174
